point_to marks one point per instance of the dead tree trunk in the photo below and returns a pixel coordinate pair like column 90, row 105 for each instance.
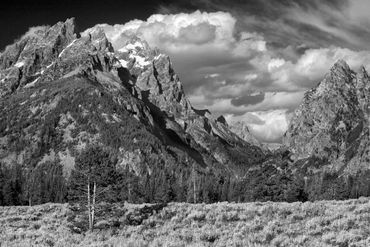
column 194, row 185
column 89, row 206
column 93, row 207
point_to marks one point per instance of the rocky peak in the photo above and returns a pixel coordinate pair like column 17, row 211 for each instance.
column 24, row 61
column 341, row 68
column 221, row 119
column 153, row 73
column 363, row 91
column 331, row 121
column 137, row 45
column 98, row 38
column 340, row 78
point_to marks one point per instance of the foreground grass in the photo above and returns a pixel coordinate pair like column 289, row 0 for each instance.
column 324, row 223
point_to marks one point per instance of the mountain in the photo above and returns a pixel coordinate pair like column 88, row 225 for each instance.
column 328, row 137
column 326, row 147
column 332, row 123
column 241, row 129
column 62, row 92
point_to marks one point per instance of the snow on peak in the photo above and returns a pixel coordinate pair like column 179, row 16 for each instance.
column 135, row 45
column 19, row 64
column 61, row 53
column 140, row 61
column 124, row 63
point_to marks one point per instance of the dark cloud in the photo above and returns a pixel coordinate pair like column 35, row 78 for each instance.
column 246, row 100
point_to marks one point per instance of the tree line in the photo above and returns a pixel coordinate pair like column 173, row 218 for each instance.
column 97, row 178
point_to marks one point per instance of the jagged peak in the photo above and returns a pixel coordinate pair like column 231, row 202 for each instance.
column 98, row 37
column 71, row 22
column 222, row 119
column 340, row 74
column 362, row 72
column 96, row 33
column 138, row 46
column 341, row 68
column 66, row 29
column 342, row 64
column 69, row 25
column 136, row 42
column 46, row 40
column 202, row 112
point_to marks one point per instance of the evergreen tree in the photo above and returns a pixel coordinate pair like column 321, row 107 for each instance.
column 93, row 179
column 45, row 183
column 12, row 192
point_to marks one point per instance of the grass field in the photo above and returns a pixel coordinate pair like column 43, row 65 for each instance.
column 324, row 223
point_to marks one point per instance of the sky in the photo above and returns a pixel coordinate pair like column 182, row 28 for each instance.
column 249, row 60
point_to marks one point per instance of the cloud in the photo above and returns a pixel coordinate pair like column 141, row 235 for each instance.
column 197, row 34
column 271, row 101
column 248, row 99
column 177, row 32
column 310, row 68
column 274, row 126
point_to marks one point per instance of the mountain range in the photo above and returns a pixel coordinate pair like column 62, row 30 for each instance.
column 62, row 92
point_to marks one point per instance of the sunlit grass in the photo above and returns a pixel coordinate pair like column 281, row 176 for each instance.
column 324, row 223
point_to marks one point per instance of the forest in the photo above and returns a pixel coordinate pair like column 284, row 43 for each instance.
column 46, row 183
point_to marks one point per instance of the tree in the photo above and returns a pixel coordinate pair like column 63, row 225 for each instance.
column 45, row 183
column 193, row 185
column 11, row 184
column 2, row 183
column 93, row 178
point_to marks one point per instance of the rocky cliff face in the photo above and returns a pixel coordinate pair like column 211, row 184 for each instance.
column 332, row 123
column 26, row 60
column 61, row 92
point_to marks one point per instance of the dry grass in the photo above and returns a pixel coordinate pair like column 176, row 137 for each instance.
column 324, row 223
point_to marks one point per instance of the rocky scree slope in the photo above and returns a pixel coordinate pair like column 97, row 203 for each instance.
column 61, row 92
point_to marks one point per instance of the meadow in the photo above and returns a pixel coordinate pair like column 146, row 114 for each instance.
column 321, row 223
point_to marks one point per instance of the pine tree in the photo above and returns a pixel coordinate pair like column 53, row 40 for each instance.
column 93, row 179
column 12, row 186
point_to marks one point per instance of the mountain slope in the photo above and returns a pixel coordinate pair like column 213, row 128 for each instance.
column 328, row 137
column 333, row 121
column 326, row 147
column 241, row 129
column 61, row 93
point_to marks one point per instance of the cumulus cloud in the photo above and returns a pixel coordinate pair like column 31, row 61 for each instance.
column 177, row 32
column 310, row 68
